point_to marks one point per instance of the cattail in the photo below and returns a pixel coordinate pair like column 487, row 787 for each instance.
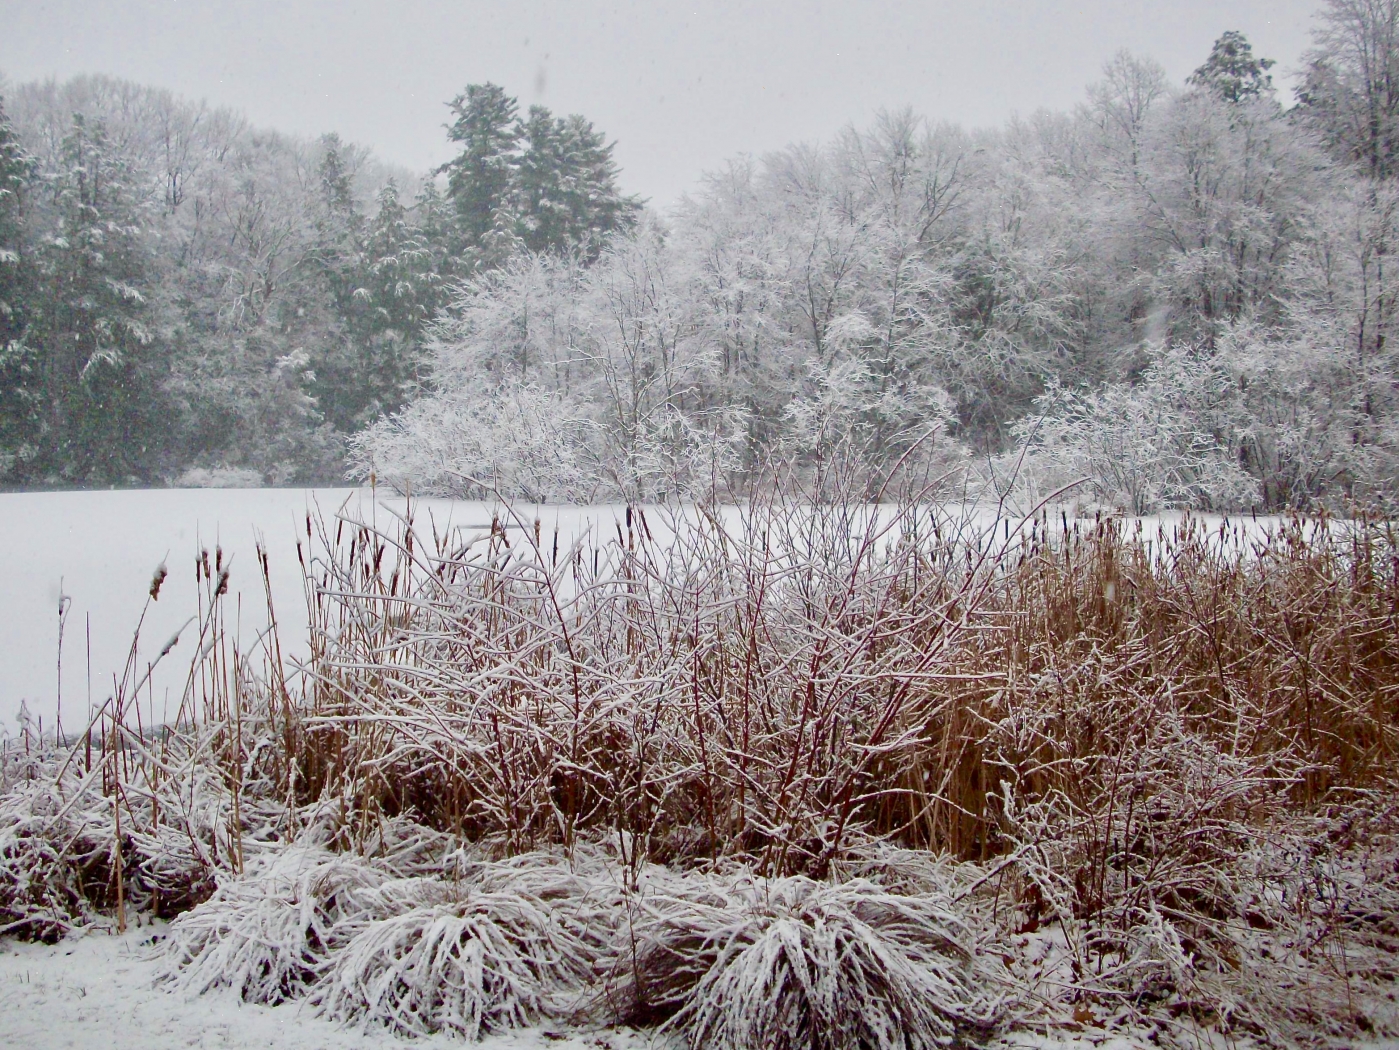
column 156, row 580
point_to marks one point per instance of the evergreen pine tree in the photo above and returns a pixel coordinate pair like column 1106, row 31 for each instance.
column 18, row 396
column 392, row 292
column 481, row 177
column 594, row 203
column 15, row 171
column 339, row 227
column 567, row 186
column 400, row 280
column 544, row 183
column 99, row 373
column 543, row 218
column 1231, row 72
column 434, row 220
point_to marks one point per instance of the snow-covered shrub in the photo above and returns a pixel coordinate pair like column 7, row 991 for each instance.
column 908, row 872
column 667, row 454
column 66, row 857
column 1168, row 441
column 171, row 870
column 848, row 404
column 583, row 888
column 1307, row 416
column 792, row 963
column 219, row 477
column 507, row 437
column 444, row 957
column 267, row 933
column 42, row 864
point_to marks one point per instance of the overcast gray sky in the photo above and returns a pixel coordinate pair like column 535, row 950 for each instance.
column 680, row 87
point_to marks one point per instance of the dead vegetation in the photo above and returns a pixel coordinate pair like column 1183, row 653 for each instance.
column 801, row 774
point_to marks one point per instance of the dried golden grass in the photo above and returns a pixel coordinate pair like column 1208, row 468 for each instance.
column 770, row 687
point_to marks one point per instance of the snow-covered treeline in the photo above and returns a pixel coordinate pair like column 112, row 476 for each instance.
column 183, row 295
column 1181, row 292
column 1177, row 291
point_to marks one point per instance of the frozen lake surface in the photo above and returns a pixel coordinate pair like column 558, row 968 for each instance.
column 100, row 549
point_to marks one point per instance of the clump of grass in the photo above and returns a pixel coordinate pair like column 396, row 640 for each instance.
column 728, row 688
column 439, row 957
column 772, row 685
column 42, row 895
column 788, row 963
column 1112, row 722
column 62, row 854
column 269, row 932
column 1152, row 771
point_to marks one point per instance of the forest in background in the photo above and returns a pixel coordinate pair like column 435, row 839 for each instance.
column 187, row 299
column 1182, row 293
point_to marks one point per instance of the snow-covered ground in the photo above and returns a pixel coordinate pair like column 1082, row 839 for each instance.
column 98, row 992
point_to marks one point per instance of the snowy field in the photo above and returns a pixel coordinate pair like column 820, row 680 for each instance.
column 100, row 548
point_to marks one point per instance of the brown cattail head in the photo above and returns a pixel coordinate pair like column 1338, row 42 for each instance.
column 156, row 580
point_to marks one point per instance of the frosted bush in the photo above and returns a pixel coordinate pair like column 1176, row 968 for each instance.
column 60, row 843
column 268, row 933
column 789, row 963
column 442, row 958
column 41, row 865
column 511, row 437
column 1168, row 441
column 222, row 477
